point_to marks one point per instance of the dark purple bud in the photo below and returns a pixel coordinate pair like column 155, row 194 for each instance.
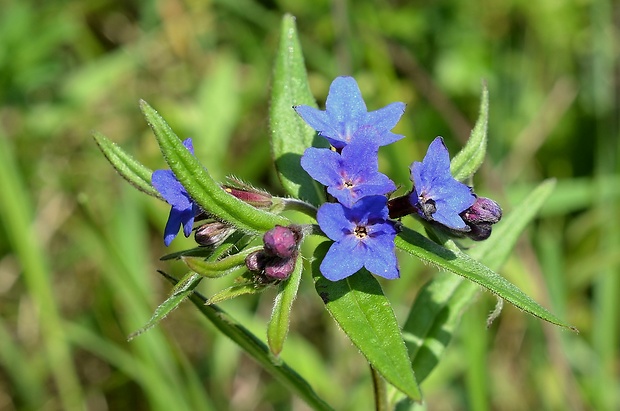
column 479, row 232
column 212, row 233
column 280, row 268
column 484, row 210
column 256, row 261
column 257, row 198
column 282, row 241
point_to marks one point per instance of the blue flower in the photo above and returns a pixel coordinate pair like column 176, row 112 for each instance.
column 184, row 209
column 345, row 113
column 350, row 175
column 364, row 237
column 437, row 195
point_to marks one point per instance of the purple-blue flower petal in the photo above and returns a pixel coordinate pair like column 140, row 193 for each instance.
column 349, row 176
column 323, row 165
column 332, row 220
column 344, row 101
column 345, row 114
column 318, row 120
column 170, row 189
column 381, row 259
column 342, row 260
column 183, row 209
column 189, row 145
column 433, row 182
column 363, row 237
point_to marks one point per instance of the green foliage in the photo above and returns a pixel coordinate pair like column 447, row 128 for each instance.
column 290, row 135
column 78, row 249
column 360, row 308
column 278, row 326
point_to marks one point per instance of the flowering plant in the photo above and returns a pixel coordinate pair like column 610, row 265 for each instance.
column 327, row 161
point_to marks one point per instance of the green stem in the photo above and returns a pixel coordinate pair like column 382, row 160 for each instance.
column 380, row 390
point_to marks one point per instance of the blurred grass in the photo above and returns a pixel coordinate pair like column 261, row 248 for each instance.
column 79, row 248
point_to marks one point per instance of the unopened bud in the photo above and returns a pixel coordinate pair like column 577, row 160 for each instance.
column 484, row 210
column 282, row 241
column 280, row 268
column 255, row 261
column 480, row 218
column 212, row 233
column 257, row 198
column 479, row 232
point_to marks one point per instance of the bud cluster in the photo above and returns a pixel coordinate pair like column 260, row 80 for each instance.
column 276, row 261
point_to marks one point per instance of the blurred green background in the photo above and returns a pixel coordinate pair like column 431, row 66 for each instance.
column 79, row 247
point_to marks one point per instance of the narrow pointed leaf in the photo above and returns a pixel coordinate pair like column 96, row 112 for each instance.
column 277, row 330
column 179, row 293
column 460, row 263
column 201, row 186
column 359, row 307
column 256, row 349
column 128, row 167
column 290, row 135
column 219, row 268
column 437, row 310
column 471, row 156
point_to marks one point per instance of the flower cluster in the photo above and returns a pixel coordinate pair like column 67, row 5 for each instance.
column 361, row 218
column 361, row 221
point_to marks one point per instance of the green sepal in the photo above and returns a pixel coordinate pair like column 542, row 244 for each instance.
column 128, row 167
column 179, row 293
column 278, row 326
column 290, row 135
column 200, row 185
column 467, row 161
column 243, row 288
column 219, row 268
column 360, row 308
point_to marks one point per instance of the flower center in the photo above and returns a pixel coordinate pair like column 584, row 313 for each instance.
column 360, row 232
column 428, row 207
column 348, row 184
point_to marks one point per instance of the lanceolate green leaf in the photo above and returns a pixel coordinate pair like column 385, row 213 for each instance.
column 460, row 263
column 201, row 186
column 470, row 158
column 277, row 329
column 128, row 167
column 179, row 293
column 437, row 310
column 362, row 311
column 290, row 136
column 256, row 349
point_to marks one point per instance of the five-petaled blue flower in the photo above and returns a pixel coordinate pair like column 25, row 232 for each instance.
column 437, row 195
column 350, row 175
column 345, row 114
column 184, row 209
column 364, row 237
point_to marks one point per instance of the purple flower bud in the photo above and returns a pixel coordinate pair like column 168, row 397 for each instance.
column 484, row 210
column 479, row 232
column 254, row 197
column 256, row 261
column 280, row 268
column 282, row 241
column 212, row 233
